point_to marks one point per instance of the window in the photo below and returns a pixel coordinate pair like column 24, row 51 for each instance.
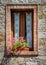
column 21, row 20
column 22, row 25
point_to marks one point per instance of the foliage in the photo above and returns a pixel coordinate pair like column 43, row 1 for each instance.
column 15, row 43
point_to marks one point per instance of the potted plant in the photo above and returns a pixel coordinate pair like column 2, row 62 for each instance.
column 17, row 45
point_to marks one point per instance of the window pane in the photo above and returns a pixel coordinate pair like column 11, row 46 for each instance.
column 16, row 24
column 29, row 28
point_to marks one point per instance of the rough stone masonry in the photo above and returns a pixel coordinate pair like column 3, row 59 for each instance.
column 24, row 60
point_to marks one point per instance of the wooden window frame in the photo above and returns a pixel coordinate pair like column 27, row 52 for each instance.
column 35, row 26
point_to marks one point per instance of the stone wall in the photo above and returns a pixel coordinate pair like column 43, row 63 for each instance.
column 24, row 60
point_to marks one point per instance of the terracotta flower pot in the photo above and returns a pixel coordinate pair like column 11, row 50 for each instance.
column 21, row 48
column 26, row 49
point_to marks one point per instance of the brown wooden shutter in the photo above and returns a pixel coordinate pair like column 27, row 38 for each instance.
column 22, row 24
column 12, row 25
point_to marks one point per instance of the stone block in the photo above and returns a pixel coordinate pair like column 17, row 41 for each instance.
column 44, row 10
column 13, row 61
column 20, row 59
column 42, row 35
column 5, row 1
column 31, row 63
column 21, row 63
column 2, row 37
column 2, row 9
column 29, row 59
column 42, row 46
column 43, row 0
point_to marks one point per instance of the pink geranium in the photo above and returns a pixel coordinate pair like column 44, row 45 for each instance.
column 15, row 44
column 8, row 51
column 13, row 41
column 19, row 42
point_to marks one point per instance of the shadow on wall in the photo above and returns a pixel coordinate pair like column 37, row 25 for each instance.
column 5, row 61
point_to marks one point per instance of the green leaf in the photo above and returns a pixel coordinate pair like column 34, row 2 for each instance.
column 16, row 44
column 25, row 44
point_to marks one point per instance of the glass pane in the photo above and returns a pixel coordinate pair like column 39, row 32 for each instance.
column 29, row 28
column 16, row 24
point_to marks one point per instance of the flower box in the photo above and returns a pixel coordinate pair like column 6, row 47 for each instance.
column 17, row 45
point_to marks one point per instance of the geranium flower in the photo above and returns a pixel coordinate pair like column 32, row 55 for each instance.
column 13, row 41
column 8, row 51
column 19, row 42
